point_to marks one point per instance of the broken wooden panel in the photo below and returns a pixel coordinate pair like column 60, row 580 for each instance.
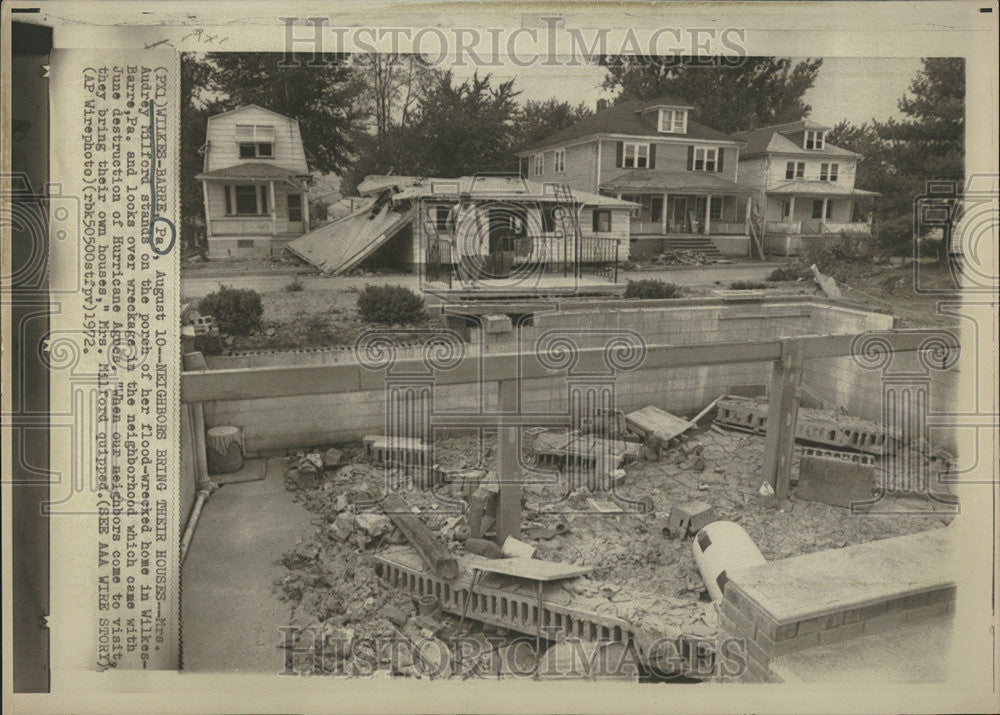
column 342, row 244
column 651, row 421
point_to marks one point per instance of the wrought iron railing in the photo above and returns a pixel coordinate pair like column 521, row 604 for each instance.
column 437, row 260
column 598, row 257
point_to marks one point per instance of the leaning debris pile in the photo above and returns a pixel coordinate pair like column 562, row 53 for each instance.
column 683, row 257
column 406, row 550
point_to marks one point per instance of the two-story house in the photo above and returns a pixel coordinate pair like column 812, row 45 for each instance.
column 682, row 173
column 803, row 185
column 255, row 180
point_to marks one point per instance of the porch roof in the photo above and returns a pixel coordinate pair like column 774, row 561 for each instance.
column 673, row 182
column 253, row 170
column 820, row 188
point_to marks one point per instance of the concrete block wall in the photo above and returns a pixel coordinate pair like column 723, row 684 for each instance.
column 827, row 597
column 295, row 422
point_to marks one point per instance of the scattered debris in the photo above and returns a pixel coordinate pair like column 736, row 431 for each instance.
column 826, row 283
column 657, row 427
column 683, row 257
column 512, row 548
column 689, row 518
column 483, row 547
column 435, row 554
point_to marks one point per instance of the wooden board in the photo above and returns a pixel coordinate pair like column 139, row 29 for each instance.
column 532, row 569
column 652, row 420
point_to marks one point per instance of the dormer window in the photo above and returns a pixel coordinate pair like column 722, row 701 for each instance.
column 814, row 139
column 256, row 141
column 673, row 121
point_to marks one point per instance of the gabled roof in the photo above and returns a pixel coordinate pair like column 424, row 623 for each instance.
column 625, row 118
column 772, row 140
column 669, row 181
column 251, row 170
column 252, row 106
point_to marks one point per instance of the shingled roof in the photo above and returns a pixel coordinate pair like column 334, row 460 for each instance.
column 772, row 140
column 628, row 118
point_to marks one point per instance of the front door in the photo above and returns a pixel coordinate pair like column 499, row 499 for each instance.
column 679, row 219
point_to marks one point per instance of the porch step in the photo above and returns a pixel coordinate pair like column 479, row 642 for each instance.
column 700, row 244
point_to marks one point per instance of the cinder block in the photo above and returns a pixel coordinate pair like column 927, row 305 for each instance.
column 820, row 623
column 929, row 611
column 790, row 645
column 843, row 633
column 885, row 622
column 852, row 616
column 874, row 610
column 744, row 625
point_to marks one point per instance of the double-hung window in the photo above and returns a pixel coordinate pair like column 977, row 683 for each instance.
column 539, row 164
column 673, row 121
column 635, row 156
column 559, row 161
column 828, row 172
column 246, row 200
column 705, row 158
column 795, row 169
column 814, row 139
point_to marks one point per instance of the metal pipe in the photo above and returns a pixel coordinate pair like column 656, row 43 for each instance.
column 199, row 502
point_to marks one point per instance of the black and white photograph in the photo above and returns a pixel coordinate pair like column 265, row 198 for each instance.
column 550, row 356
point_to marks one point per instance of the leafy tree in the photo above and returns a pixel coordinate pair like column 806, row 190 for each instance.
column 392, row 84
column 760, row 91
column 901, row 156
column 537, row 120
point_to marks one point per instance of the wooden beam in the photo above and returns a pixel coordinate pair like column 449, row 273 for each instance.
column 508, row 465
column 434, row 553
column 782, row 414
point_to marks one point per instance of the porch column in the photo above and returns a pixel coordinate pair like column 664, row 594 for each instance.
column 274, row 213
column 708, row 214
column 791, row 209
column 305, row 211
column 822, row 213
column 663, row 214
column 749, row 216
column 208, row 217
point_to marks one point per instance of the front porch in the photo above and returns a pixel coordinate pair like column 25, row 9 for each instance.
column 794, row 216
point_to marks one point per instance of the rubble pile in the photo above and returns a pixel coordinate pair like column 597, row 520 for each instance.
column 683, row 257
column 633, row 533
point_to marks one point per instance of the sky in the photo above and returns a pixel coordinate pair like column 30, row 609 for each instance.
column 855, row 89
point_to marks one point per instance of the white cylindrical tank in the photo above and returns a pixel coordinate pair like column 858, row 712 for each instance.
column 720, row 547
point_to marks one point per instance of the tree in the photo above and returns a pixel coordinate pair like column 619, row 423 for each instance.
column 537, row 120
column 391, row 85
column 899, row 157
column 455, row 129
column 195, row 111
column 760, row 91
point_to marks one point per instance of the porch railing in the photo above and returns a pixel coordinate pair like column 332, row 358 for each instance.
column 598, row 257
column 437, row 260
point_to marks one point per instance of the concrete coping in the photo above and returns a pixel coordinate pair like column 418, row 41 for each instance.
column 831, row 581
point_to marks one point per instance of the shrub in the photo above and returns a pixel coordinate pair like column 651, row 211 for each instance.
column 790, row 272
column 650, row 288
column 295, row 286
column 845, row 248
column 236, row 310
column 747, row 285
column 389, row 305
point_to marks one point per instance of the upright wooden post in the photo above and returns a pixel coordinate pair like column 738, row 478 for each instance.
column 508, row 469
column 782, row 414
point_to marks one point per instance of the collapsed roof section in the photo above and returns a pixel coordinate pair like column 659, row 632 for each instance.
column 390, row 206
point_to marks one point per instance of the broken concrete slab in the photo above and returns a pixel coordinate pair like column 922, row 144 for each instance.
column 827, row 284
column 688, row 518
column 651, row 421
column 332, row 458
column 835, row 481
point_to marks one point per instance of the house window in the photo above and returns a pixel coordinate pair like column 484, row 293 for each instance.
column 715, row 212
column 635, row 156
column 795, row 170
column 256, row 141
column 673, row 121
column 539, row 164
column 560, row 161
column 602, row 221
column 705, row 158
column 814, row 139
column 246, row 200
column 295, row 207
column 786, row 208
column 828, row 172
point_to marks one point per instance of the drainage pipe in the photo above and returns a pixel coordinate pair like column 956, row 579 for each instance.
column 199, row 502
